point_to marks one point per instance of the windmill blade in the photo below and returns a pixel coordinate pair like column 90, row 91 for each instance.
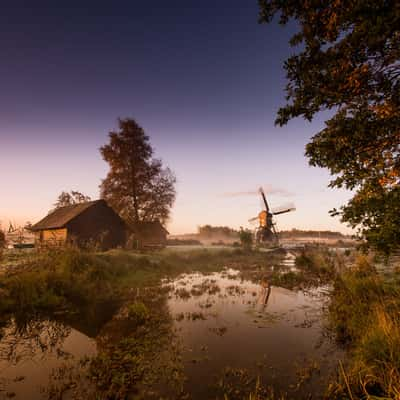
column 264, row 199
column 283, row 207
column 284, row 211
column 253, row 219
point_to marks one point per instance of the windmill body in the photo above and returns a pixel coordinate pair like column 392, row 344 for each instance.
column 266, row 232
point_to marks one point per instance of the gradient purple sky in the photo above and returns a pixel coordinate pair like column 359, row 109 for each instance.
column 204, row 79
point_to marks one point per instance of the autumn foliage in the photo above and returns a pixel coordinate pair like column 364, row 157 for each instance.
column 348, row 62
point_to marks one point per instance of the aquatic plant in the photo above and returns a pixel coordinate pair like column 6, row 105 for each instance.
column 195, row 316
column 182, row 293
column 239, row 383
column 138, row 313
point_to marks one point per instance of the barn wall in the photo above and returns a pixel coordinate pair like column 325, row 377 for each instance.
column 154, row 238
column 98, row 225
column 148, row 236
column 51, row 236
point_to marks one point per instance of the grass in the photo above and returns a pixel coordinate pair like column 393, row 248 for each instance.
column 65, row 280
column 319, row 262
column 365, row 315
column 134, row 352
column 238, row 384
column 138, row 312
column 58, row 280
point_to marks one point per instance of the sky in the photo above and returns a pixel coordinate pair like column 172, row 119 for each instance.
column 203, row 79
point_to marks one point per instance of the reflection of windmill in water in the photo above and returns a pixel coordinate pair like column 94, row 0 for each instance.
column 266, row 232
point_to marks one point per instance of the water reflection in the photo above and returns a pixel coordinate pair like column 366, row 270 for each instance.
column 266, row 331
column 265, row 292
column 32, row 349
column 28, row 355
column 230, row 331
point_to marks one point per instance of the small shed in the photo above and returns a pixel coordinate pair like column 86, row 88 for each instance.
column 92, row 223
column 149, row 234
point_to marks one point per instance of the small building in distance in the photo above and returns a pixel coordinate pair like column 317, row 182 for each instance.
column 93, row 223
column 149, row 234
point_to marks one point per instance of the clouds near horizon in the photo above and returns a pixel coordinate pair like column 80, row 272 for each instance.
column 269, row 190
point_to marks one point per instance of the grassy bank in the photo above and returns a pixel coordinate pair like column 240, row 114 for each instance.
column 67, row 279
column 365, row 316
column 135, row 343
column 62, row 284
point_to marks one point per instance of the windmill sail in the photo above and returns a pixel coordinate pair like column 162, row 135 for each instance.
column 284, row 208
column 284, row 211
column 266, row 231
column 264, row 199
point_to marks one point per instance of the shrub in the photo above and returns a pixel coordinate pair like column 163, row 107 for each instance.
column 138, row 313
column 246, row 238
column 320, row 262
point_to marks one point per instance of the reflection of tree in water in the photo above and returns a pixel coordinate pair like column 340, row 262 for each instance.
column 27, row 339
column 148, row 348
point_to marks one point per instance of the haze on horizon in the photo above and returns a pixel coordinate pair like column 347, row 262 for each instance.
column 204, row 82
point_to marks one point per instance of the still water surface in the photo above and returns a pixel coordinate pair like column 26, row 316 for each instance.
column 230, row 330
column 239, row 327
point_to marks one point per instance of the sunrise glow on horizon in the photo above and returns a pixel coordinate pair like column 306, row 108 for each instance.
column 206, row 97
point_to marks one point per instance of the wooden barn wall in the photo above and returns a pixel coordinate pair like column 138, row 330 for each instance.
column 97, row 225
column 152, row 237
column 51, row 237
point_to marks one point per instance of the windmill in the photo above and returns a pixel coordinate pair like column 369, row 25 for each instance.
column 266, row 232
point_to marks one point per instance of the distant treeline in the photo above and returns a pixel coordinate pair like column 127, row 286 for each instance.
column 315, row 234
column 208, row 232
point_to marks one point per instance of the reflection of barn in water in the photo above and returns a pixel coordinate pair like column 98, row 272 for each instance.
column 90, row 223
column 91, row 318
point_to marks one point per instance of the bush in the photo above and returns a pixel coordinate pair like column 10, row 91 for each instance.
column 318, row 261
column 246, row 238
column 67, row 278
column 138, row 313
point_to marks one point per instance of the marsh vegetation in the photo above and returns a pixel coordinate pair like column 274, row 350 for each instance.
column 205, row 323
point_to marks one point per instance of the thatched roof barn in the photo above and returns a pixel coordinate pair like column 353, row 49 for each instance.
column 93, row 223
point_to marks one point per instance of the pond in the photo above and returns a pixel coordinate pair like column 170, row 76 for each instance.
column 34, row 351
column 233, row 334
column 29, row 358
column 234, row 331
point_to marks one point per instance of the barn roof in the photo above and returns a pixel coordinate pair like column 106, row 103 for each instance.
column 61, row 216
column 149, row 227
